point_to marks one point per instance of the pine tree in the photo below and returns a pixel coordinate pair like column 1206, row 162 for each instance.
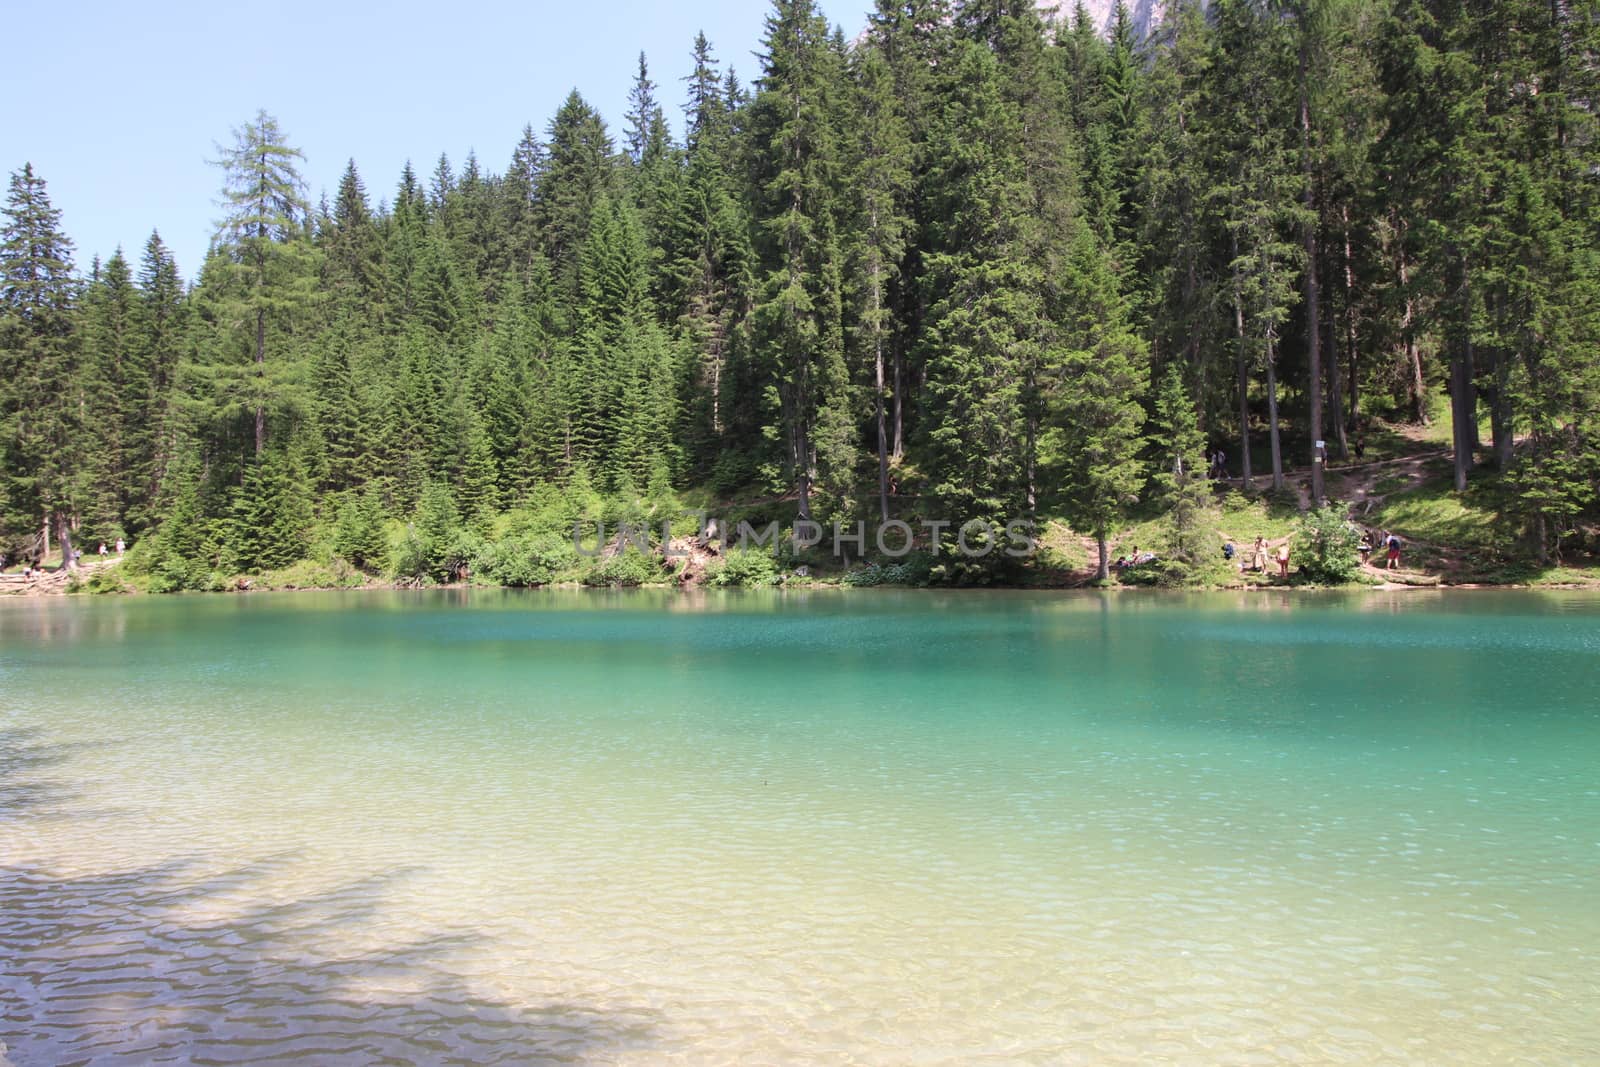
column 42, row 399
column 578, row 170
column 1099, row 378
column 882, row 182
column 985, row 322
column 1179, row 469
column 271, row 513
column 800, row 310
column 111, row 390
column 1257, row 196
column 354, row 250
column 161, row 313
column 359, row 536
column 261, row 272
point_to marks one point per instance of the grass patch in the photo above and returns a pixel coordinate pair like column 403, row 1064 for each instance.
column 1434, row 515
column 1060, row 551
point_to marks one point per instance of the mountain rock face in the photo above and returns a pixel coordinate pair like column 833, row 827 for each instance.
column 1146, row 14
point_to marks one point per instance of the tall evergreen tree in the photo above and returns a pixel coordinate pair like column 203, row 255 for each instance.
column 42, row 399
column 800, row 310
column 261, row 271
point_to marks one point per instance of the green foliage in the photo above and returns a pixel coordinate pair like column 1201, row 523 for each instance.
column 931, row 268
column 1180, row 469
column 271, row 515
column 627, row 568
column 746, row 568
column 1325, row 545
column 360, row 537
column 912, row 571
column 527, row 559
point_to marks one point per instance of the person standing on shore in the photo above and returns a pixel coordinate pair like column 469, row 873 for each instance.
column 121, row 547
column 1394, row 553
column 1283, row 561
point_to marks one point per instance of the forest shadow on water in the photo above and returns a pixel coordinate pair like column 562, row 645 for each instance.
column 194, row 961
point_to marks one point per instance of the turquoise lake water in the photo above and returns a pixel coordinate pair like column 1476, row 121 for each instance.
column 831, row 827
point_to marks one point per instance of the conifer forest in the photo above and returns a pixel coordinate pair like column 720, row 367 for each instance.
column 978, row 260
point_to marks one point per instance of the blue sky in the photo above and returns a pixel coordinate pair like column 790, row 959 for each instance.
column 121, row 104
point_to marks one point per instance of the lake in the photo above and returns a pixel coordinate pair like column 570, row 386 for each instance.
column 831, row 827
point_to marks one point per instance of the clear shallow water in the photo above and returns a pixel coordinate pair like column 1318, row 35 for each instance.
column 845, row 828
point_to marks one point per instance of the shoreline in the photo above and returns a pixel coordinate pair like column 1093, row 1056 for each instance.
column 58, row 588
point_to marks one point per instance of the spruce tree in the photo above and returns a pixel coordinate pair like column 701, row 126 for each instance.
column 42, row 400
column 800, row 310
column 882, row 182
column 1099, row 377
column 1179, row 465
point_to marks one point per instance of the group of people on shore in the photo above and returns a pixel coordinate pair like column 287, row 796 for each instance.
column 1257, row 559
column 1391, row 546
column 33, row 567
column 1133, row 559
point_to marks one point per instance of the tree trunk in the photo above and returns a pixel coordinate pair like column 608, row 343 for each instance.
column 1244, row 383
column 1352, row 350
column 898, row 449
column 261, row 360
column 883, row 437
column 1313, row 318
column 64, row 536
column 1408, row 337
column 1272, row 414
column 1463, row 410
column 804, row 487
column 1341, row 443
column 1103, row 572
column 1031, row 448
column 1419, row 386
column 1500, row 424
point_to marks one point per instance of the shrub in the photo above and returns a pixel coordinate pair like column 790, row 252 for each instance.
column 744, row 568
column 1327, row 545
column 308, row 574
column 106, row 580
column 412, row 558
column 628, row 568
column 911, row 571
column 526, row 560
column 1174, row 573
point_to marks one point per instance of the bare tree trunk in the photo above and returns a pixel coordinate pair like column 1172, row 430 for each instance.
column 261, row 361
column 1103, row 572
column 1244, row 381
column 1272, row 414
column 1463, row 411
column 883, row 437
column 1313, row 318
column 1341, row 442
column 1408, row 336
column 1352, row 350
column 1031, row 446
column 1500, row 424
column 64, row 535
column 1419, row 387
column 898, row 449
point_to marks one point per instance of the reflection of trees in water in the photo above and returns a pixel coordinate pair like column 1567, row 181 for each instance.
column 116, row 967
